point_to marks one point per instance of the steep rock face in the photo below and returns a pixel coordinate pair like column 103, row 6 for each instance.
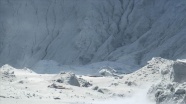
column 87, row 31
column 179, row 72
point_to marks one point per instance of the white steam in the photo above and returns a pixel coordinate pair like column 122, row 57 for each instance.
column 139, row 97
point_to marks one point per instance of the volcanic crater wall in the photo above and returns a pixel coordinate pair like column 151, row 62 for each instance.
column 79, row 32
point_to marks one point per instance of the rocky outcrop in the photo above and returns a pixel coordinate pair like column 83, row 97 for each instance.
column 7, row 73
column 56, row 86
column 172, row 88
column 107, row 71
column 67, row 78
column 71, row 79
column 84, row 83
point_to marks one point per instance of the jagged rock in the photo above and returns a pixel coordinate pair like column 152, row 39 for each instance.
column 103, row 90
column 158, row 93
column 129, row 83
column 71, row 79
column 107, row 71
column 56, row 86
column 180, row 91
column 84, row 83
column 163, row 72
column 170, row 87
column 95, row 88
column 160, row 99
column 173, row 77
column 60, row 80
column 8, row 74
column 67, row 78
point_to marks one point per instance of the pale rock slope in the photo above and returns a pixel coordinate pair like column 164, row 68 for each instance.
column 172, row 88
column 20, row 86
column 79, row 32
column 161, row 81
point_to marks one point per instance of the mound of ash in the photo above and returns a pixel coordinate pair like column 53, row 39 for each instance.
column 7, row 73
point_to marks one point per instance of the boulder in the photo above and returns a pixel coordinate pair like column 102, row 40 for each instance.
column 56, row 86
column 180, row 91
column 129, row 83
column 84, row 83
column 103, row 90
column 67, row 78
column 95, row 88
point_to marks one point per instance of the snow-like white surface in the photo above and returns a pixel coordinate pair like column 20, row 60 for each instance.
column 161, row 81
column 36, row 88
